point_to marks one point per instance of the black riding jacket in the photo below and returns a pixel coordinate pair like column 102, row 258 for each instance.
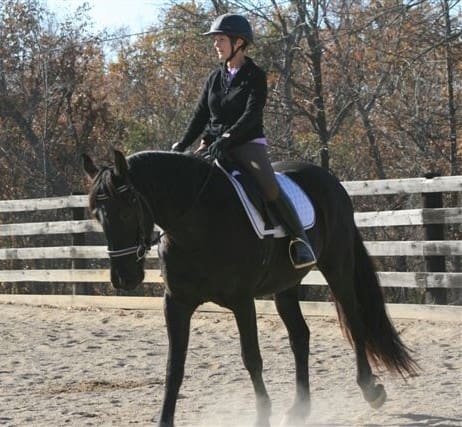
column 234, row 109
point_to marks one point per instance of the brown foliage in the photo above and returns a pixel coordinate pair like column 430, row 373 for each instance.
column 365, row 85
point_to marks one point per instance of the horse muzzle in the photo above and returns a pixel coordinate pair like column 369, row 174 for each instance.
column 127, row 282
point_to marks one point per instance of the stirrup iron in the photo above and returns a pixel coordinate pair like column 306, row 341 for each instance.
column 305, row 264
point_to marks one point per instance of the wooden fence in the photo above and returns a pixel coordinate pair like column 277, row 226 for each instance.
column 433, row 246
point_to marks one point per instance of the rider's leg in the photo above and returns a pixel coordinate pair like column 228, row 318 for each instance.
column 254, row 159
column 300, row 250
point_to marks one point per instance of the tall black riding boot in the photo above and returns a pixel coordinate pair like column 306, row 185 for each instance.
column 300, row 250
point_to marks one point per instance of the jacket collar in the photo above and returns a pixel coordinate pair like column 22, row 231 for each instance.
column 248, row 63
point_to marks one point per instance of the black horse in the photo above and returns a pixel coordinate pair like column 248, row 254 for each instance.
column 209, row 252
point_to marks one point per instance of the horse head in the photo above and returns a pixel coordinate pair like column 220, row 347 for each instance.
column 124, row 216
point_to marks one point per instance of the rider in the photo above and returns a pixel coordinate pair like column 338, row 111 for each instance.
column 229, row 115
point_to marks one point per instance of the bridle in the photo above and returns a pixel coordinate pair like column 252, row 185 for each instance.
column 144, row 239
column 144, row 242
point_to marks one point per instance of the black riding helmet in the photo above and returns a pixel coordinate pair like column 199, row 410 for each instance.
column 231, row 25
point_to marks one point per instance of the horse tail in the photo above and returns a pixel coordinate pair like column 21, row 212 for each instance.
column 382, row 341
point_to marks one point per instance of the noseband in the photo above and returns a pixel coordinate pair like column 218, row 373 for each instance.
column 144, row 243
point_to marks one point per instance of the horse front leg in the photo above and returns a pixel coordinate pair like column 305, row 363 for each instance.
column 246, row 319
column 178, row 319
column 288, row 308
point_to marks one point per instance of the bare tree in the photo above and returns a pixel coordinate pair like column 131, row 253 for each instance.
column 449, row 40
column 50, row 94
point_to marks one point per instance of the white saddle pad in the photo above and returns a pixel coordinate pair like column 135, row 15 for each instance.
column 299, row 199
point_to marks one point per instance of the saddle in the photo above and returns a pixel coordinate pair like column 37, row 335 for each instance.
column 262, row 219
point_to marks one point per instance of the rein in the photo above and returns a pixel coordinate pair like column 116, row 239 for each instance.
column 199, row 193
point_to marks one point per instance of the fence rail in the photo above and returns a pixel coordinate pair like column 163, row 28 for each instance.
column 375, row 248
column 362, row 219
column 440, row 184
column 390, row 218
column 387, row 278
column 354, row 188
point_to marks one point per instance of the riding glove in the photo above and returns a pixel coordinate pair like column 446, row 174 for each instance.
column 217, row 150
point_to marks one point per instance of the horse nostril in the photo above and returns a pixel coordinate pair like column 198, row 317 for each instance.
column 126, row 283
column 116, row 280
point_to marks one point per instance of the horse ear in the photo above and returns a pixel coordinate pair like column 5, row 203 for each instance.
column 121, row 165
column 89, row 167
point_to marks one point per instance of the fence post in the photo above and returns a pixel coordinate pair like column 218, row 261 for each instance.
column 78, row 239
column 434, row 232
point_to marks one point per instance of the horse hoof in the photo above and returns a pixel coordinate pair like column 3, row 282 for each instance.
column 380, row 397
column 261, row 423
column 289, row 421
column 292, row 419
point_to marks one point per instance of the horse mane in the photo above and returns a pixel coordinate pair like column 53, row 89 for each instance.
column 142, row 163
column 144, row 159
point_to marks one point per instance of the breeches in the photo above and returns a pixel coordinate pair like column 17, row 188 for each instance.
column 254, row 159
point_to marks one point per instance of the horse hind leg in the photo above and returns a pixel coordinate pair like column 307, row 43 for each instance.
column 373, row 393
column 288, row 308
column 246, row 319
column 341, row 283
column 362, row 302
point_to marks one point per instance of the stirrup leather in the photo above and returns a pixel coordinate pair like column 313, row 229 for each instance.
column 309, row 263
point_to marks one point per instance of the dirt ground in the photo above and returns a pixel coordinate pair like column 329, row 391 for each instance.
column 93, row 367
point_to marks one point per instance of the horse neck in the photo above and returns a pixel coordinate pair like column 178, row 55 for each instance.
column 171, row 185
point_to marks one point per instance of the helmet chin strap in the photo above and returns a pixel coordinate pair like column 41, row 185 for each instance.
column 233, row 52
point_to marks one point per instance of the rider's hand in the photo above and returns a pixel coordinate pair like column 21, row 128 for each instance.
column 217, row 150
column 203, row 148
